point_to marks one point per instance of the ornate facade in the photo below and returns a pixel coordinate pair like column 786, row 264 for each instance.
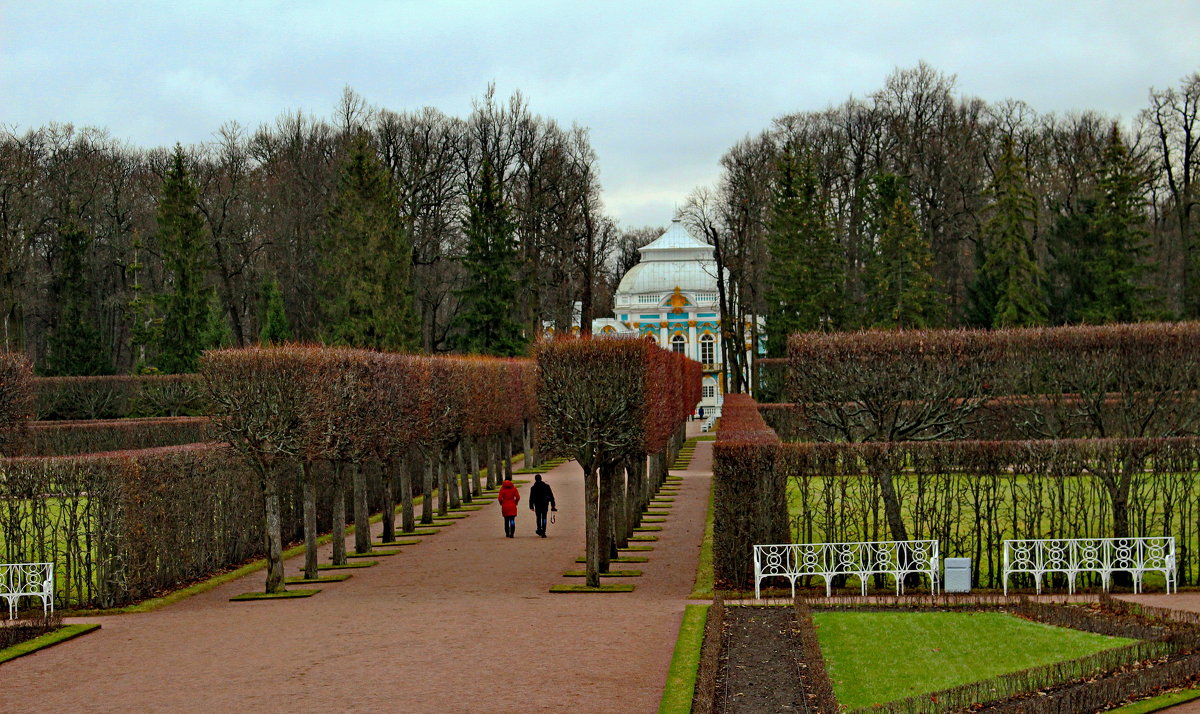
column 670, row 296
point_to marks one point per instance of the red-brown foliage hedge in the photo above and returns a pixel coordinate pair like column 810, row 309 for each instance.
column 1139, row 380
column 124, row 526
column 65, row 438
column 16, row 398
column 118, row 397
column 749, row 491
column 605, row 399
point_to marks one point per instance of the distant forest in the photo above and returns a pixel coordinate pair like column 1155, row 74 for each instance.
column 913, row 207
column 100, row 258
column 918, row 207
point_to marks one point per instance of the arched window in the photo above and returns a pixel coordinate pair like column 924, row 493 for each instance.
column 707, row 349
column 678, row 344
column 653, row 339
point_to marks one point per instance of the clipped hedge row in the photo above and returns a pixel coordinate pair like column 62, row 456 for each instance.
column 749, row 492
column 607, row 403
column 1139, row 380
column 972, row 495
column 66, row 438
column 124, row 526
column 118, row 397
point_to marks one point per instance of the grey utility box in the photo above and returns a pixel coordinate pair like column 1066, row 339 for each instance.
column 956, row 575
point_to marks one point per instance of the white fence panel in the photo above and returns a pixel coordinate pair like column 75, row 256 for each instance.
column 1104, row 556
column 861, row 560
column 19, row 580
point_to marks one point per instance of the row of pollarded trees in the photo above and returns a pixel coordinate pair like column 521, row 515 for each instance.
column 337, row 414
column 613, row 406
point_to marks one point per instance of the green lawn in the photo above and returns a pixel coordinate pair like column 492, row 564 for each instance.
column 857, row 515
column 876, row 657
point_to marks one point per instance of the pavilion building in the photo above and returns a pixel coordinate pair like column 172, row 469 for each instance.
column 670, row 297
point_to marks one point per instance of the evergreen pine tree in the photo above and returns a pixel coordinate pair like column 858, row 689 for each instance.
column 185, row 306
column 805, row 286
column 1099, row 252
column 275, row 326
column 485, row 323
column 76, row 345
column 1008, row 287
column 366, row 290
column 900, row 287
column 1120, row 229
column 217, row 332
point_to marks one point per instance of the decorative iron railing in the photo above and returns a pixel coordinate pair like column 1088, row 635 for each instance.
column 1103, row 556
column 19, row 580
column 861, row 560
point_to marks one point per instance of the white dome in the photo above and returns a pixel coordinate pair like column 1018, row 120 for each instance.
column 676, row 259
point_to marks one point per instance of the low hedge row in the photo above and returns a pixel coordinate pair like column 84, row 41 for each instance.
column 118, row 397
column 128, row 525
column 66, row 438
column 1136, row 380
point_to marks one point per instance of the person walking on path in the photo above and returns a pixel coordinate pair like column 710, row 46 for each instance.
column 509, row 496
column 541, row 497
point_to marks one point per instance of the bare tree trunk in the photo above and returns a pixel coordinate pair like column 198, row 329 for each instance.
column 527, row 442
column 474, row 449
column 407, row 517
column 607, row 547
column 621, row 527
column 463, row 475
column 508, row 454
column 591, row 498
column 308, row 491
column 362, row 513
column 427, row 488
column 339, row 513
column 274, row 541
column 636, row 467
column 490, row 451
column 388, row 477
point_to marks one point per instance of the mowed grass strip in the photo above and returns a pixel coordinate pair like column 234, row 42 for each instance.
column 925, row 652
column 62, row 634
column 285, row 595
column 606, row 588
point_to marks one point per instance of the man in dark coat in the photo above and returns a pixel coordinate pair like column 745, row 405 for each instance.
column 541, row 497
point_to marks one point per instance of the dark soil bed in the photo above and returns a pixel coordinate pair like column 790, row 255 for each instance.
column 14, row 632
column 758, row 670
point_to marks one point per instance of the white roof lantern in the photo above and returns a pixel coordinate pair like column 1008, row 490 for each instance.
column 677, row 259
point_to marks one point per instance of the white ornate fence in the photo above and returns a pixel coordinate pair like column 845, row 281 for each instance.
column 1104, row 556
column 861, row 560
column 19, row 580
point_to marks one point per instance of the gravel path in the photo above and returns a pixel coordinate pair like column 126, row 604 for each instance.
column 461, row 622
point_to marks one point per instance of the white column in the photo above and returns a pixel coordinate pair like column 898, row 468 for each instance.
column 693, row 345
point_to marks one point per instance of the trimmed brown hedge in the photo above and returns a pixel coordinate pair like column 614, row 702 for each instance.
column 749, row 492
column 814, row 675
column 118, row 397
column 1133, row 381
column 971, row 495
column 608, row 403
column 66, row 438
column 125, row 526
column 16, row 399
column 704, row 697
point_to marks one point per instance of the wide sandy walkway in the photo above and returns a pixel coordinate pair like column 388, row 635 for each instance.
column 461, row 622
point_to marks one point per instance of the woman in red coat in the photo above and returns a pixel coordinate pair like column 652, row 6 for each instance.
column 509, row 496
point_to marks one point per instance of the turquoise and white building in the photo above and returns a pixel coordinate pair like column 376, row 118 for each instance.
column 670, row 296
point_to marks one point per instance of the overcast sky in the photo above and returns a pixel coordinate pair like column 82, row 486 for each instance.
column 665, row 87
